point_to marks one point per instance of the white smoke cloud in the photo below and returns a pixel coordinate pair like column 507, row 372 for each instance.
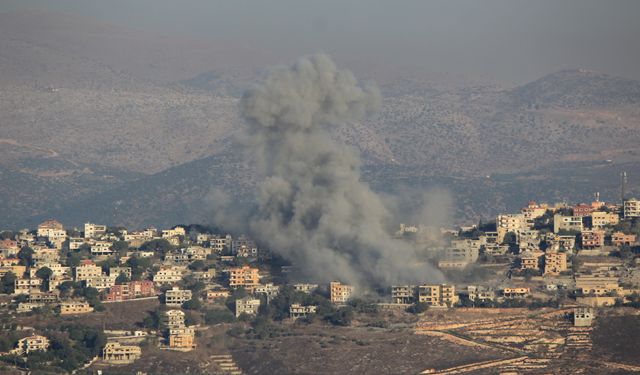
column 312, row 206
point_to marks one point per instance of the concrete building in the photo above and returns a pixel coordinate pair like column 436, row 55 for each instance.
column 305, row 288
column 509, row 223
column 24, row 307
column 53, row 230
column 403, row 294
column 619, row 239
column 176, row 297
column 101, row 248
column 631, row 208
column 26, row 286
column 568, row 223
column 168, row 275
column 101, row 282
column 245, row 276
column 217, row 295
column 532, row 212
column 94, row 230
column 597, row 285
column 87, row 270
column 31, row 344
column 75, row 307
column 131, row 290
column 247, row 305
column 116, row 271
column 583, row 316
column 269, row 290
column 116, row 353
column 600, row 219
column 554, row 263
column 592, row 239
column 442, row 295
column 515, row 292
column 530, row 260
column 480, row 294
column 172, row 319
column 339, row 293
column 582, row 210
column 182, row 339
column 298, row 311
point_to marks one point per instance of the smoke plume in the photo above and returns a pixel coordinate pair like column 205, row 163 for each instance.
column 312, row 207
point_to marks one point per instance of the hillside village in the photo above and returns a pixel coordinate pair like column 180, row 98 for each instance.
column 582, row 257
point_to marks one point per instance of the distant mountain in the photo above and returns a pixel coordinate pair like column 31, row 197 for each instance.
column 577, row 88
column 82, row 100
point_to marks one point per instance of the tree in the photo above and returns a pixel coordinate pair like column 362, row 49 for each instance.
column 192, row 304
column 122, row 278
column 159, row 245
column 26, row 256
column 418, row 308
column 120, row 247
column 197, row 265
column 8, row 283
column 341, row 317
column 44, row 273
column 218, row 316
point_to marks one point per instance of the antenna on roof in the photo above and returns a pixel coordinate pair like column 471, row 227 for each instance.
column 623, row 186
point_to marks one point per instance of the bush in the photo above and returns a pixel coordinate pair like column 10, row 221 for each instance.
column 418, row 308
column 341, row 317
column 218, row 316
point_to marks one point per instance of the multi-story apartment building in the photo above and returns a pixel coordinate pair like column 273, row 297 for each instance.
column 182, row 339
column 582, row 210
column 339, row 293
column 245, row 276
column 438, row 295
column 403, row 294
column 101, row 282
column 247, row 305
column 509, row 223
column 87, row 270
column 131, row 290
column 631, row 208
column 532, row 212
column 619, row 239
column 171, row 319
column 269, row 290
column 26, row 286
column 530, row 260
column 101, row 248
column 568, row 223
column 116, row 271
column 52, row 230
column 31, row 344
column 600, row 219
column 592, row 239
column 94, row 230
column 168, row 275
column 554, row 263
column 176, row 297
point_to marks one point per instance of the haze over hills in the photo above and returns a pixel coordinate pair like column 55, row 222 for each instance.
column 94, row 114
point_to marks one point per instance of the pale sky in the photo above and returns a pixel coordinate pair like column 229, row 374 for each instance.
column 509, row 40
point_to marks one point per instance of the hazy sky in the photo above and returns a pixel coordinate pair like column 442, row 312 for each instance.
column 507, row 40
